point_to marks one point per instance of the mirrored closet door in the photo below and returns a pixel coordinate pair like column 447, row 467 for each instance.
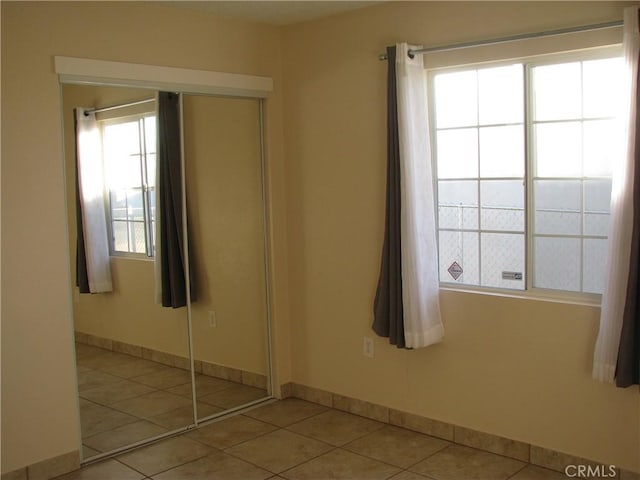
column 137, row 360
column 222, row 143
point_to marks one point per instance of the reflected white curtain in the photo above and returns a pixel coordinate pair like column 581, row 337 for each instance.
column 615, row 298
column 91, row 201
column 420, row 283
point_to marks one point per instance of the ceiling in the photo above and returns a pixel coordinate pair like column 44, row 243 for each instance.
column 279, row 13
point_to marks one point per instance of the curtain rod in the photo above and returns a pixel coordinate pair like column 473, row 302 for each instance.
column 512, row 38
column 122, row 105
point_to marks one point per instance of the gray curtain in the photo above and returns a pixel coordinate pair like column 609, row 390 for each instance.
column 82, row 277
column 628, row 364
column 169, row 204
column 387, row 309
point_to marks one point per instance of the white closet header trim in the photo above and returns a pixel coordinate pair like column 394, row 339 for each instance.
column 88, row 71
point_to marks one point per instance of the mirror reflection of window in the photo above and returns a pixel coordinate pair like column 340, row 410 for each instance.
column 129, row 147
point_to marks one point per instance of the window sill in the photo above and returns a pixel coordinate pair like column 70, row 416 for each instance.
column 583, row 299
column 125, row 256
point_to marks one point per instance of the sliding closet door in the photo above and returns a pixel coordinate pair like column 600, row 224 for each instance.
column 222, row 139
column 134, row 377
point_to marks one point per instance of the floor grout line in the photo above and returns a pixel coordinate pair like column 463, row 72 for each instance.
column 310, row 459
column 248, row 461
column 515, row 473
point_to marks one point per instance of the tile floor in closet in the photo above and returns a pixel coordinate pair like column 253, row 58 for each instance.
column 294, row 439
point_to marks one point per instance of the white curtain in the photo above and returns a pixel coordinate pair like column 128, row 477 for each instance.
column 621, row 221
column 157, row 247
column 420, row 284
column 91, row 189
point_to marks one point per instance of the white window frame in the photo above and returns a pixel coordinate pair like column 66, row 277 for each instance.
column 529, row 292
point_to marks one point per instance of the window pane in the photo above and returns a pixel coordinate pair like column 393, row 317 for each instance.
column 597, row 196
column 151, row 170
column 122, row 138
column 557, row 195
column 594, row 258
column 500, row 95
column 150, row 134
column 597, row 203
column 558, row 148
column 458, row 204
column 120, row 236
column 123, row 171
column 502, row 204
column 602, row 86
column 557, row 92
column 557, row 263
column 118, row 204
column 153, row 238
column 135, row 208
column 137, row 241
column 122, row 155
column 458, row 153
column 502, row 151
column 596, row 224
column 151, row 218
column 602, row 145
column 456, row 99
column 150, row 145
column 152, row 203
column 461, row 248
column 502, row 253
column 557, row 207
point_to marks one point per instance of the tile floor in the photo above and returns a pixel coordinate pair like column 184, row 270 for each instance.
column 125, row 399
column 297, row 440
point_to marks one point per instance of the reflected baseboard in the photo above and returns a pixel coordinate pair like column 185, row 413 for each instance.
column 202, row 367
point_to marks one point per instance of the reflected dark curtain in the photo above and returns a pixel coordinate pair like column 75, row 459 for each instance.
column 388, row 310
column 171, row 236
column 628, row 364
column 82, row 277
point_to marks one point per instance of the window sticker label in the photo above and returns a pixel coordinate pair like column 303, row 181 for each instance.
column 512, row 275
column 455, row 270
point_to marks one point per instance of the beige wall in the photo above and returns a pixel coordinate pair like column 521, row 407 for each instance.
column 515, row 368
column 39, row 406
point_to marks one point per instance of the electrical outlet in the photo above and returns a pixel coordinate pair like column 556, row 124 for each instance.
column 213, row 321
column 367, row 348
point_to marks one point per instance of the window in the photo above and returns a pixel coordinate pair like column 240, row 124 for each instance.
column 523, row 156
column 129, row 151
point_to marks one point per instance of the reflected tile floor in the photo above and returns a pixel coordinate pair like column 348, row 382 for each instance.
column 297, row 440
column 126, row 399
